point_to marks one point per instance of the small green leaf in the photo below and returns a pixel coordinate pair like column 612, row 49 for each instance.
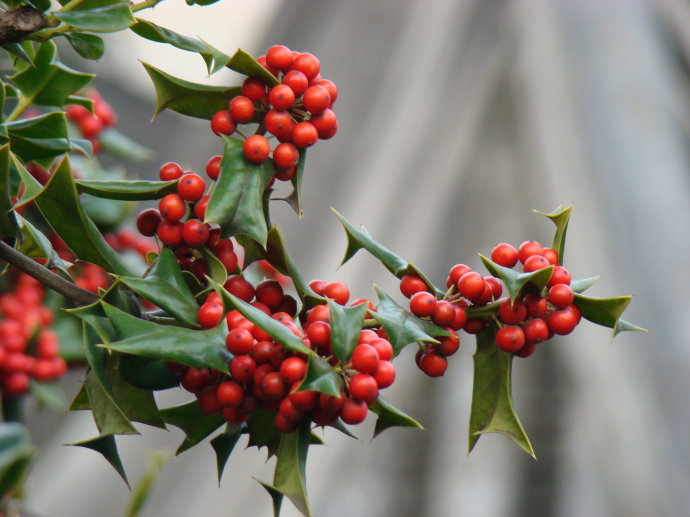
column 272, row 327
column 165, row 286
column 16, row 453
column 321, row 377
column 390, row 416
column 362, row 239
column 195, row 424
column 32, row 187
column 8, row 221
column 236, row 202
column 515, row 281
column 39, row 138
column 107, row 447
column 214, row 58
column 245, row 64
column 201, row 2
column 492, row 401
column 126, row 190
column 187, row 98
column 295, row 197
column 109, row 18
column 290, row 477
column 195, row 348
column 148, row 374
column 560, row 218
column 120, row 145
column 17, row 50
column 606, row 312
column 402, row 326
column 223, row 444
column 216, row 269
column 49, row 394
column 59, row 203
column 36, row 245
column 88, row 46
column 580, row 286
column 346, row 324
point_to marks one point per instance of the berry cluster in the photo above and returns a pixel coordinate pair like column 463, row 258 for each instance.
column 297, row 112
column 28, row 349
column 90, row 125
column 263, row 374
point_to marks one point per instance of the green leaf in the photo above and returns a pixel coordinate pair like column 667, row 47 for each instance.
column 88, row 46
column 106, row 446
column 195, row 424
column 216, row 269
column 236, row 202
column 32, row 187
column 214, row 58
column 142, row 490
column 390, row 416
column 492, row 402
column 263, row 432
column 164, row 285
column 147, row 373
column 346, row 324
column 272, row 327
column 295, row 197
column 321, row 377
column 515, row 281
column 49, row 394
column 109, row 417
column 187, row 98
column 560, row 218
column 48, row 82
column 402, row 326
column 8, row 221
column 126, row 190
column 17, row 50
column 195, row 348
column 36, row 245
column 606, row 312
column 41, row 5
column 120, row 145
column 39, row 138
column 290, row 478
column 201, row 2
column 362, row 239
column 580, row 286
column 223, row 444
column 109, row 18
column 16, row 453
column 245, row 64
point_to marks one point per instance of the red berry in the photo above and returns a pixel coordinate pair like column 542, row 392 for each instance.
column 365, row 358
column 210, row 314
column 411, row 284
column 561, row 295
column 293, row 370
column 279, row 124
column 353, row 411
column 191, row 187
column 285, row 156
column 383, row 347
column 288, row 410
column 281, row 97
column 504, row 255
column 363, row 387
column 510, row 338
column 317, row 286
column 172, row 208
column 444, row 313
column 148, row 221
column 308, row 64
column 239, row 341
column 326, row 124
column 200, row 208
column 560, row 275
column 551, row 255
column 297, row 82
column 238, row 286
column 422, row 304
column 337, row 291
column 213, row 167
column 195, row 233
column 471, row 285
column 90, row 126
column 433, row 364
column 241, row 109
column 536, row 305
column 230, row 394
column 495, row 285
column 457, row 271
column 254, row 88
column 474, row 325
column 272, row 386
column 512, row 313
column 319, row 332
column 563, row 321
column 330, row 87
column 170, row 233
column 76, row 112
column 528, row 249
column 303, row 400
column 256, row 148
column 384, row 374
column 459, row 318
column 535, row 263
column 535, row 331
column 222, row 123
column 448, row 345
column 262, row 61
column 304, row 134
column 279, row 57
column 269, row 292
column 242, row 368
column 316, row 99
column 170, row 171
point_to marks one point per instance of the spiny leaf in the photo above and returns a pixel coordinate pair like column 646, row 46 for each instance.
column 8, row 222
column 515, row 281
column 223, row 444
column 321, row 377
column 107, row 447
column 146, row 373
column 295, row 197
column 142, row 490
column 492, row 403
column 606, row 312
column 195, row 424
column 216, row 269
column 390, row 416
column 126, row 190
column 362, row 239
column 245, row 64
column 560, row 218
column 37, row 245
column 346, row 324
column 581, row 285
column 109, row 18
column 109, row 417
column 263, row 432
column 39, row 138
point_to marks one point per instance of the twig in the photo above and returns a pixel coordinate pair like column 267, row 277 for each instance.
column 18, row 23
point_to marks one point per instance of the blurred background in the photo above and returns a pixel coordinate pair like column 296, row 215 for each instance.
column 457, row 118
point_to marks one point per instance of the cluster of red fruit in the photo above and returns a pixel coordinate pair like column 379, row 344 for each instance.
column 90, row 124
column 28, row 349
column 263, row 374
column 297, row 112
column 178, row 220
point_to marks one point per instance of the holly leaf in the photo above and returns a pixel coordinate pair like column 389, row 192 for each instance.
column 39, row 138
column 32, row 187
column 402, row 326
column 492, row 401
column 236, row 202
column 195, row 348
column 165, row 286
column 59, row 204
column 295, row 197
column 88, row 46
column 263, row 432
column 321, row 377
column 120, row 145
column 109, row 417
column 195, row 424
column 49, row 394
column 16, row 453
column 126, row 190
column 17, row 50
column 147, row 374
column 36, row 245
column 362, row 239
column 581, row 285
column 142, row 490
column 346, row 324
column 216, row 269
column 606, row 312
column 223, row 444
column 560, row 218
column 107, row 447
column 245, row 64
column 515, row 281
column 187, row 98
column 108, row 18
column 390, row 416
column 289, row 479
column 214, row 58
column 8, row 221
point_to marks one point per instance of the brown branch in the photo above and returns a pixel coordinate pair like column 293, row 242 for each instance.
column 18, row 23
column 46, row 277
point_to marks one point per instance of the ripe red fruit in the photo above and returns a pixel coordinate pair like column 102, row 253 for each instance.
column 303, row 400
column 383, row 347
column 422, row 304
column 76, row 112
column 444, row 313
column 317, row 286
column 262, row 61
column 535, row 331
column 563, row 321
column 194, row 380
column 512, row 313
column 326, row 124
column 448, row 345
column 170, row 171
column 353, row 411
column 319, row 332
column 90, row 126
column 272, row 386
column 269, row 292
column 254, row 88
column 222, row 123
column 195, row 233
column 241, row 109
column 474, row 325
column 230, row 394
column 365, row 358
column 504, row 255
column 172, row 208
column 337, row 291
column 279, row 57
column 330, row 87
column 256, row 148
column 213, row 167
column 239, row 341
column 457, row 271
column 281, row 97
column 534, row 263
column 288, row 410
column 297, row 82
column 170, row 233
column 210, row 314
column 528, row 249
column 433, row 364
column 148, row 221
column 363, row 387
column 191, row 187
column 242, row 368
column 319, row 313
column 331, row 404
column 495, row 285
column 510, row 338
column 304, row 134
column 200, row 207
column 238, row 286
column 411, row 284
column 459, row 318
column 316, row 99
column 286, row 174
column 560, row 275
column 471, row 285
column 551, row 255
column 308, row 64
column 536, row 305
column 384, row 374
column 279, row 124
column 285, row 156
column 293, row 370
column 561, row 295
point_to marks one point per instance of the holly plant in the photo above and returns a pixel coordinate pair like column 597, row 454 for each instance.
column 203, row 296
